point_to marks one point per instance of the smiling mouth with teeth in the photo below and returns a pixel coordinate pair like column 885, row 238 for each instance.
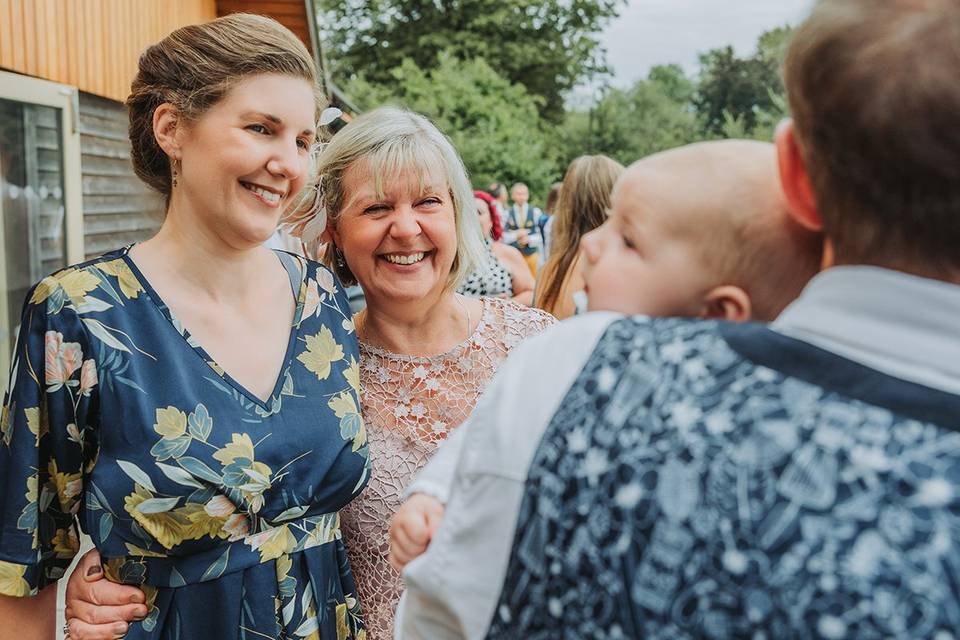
column 411, row 258
column 269, row 196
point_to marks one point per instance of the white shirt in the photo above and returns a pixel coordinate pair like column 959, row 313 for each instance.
column 902, row 325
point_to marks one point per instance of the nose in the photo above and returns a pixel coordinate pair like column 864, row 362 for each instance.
column 287, row 160
column 404, row 224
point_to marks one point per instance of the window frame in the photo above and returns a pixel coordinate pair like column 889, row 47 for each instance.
column 27, row 89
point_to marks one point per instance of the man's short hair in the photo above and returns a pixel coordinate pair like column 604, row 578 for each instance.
column 518, row 184
column 876, row 102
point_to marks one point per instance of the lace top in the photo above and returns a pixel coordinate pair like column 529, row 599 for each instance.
column 410, row 404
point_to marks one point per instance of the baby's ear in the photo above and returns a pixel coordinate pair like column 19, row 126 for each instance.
column 727, row 302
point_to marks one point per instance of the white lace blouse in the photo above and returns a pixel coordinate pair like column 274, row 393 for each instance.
column 410, row 404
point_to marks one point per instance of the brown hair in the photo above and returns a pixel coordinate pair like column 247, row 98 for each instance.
column 876, row 103
column 194, row 67
column 584, row 201
column 552, row 198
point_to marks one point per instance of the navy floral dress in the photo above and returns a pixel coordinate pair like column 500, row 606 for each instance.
column 221, row 507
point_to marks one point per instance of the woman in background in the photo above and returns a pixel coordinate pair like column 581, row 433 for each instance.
column 584, row 200
column 503, row 273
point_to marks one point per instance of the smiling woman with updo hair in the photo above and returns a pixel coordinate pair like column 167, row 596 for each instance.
column 192, row 402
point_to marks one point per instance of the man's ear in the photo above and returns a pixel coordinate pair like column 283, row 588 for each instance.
column 727, row 302
column 795, row 180
column 166, row 126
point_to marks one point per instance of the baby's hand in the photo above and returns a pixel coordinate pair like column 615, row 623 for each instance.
column 412, row 527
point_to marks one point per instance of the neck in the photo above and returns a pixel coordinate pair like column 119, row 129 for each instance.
column 200, row 259
column 415, row 329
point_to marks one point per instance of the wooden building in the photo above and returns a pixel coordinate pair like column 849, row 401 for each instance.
column 67, row 188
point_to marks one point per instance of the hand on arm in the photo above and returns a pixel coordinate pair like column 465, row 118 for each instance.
column 412, row 527
column 97, row 608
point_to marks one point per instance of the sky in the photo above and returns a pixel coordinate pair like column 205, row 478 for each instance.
column 652, row 32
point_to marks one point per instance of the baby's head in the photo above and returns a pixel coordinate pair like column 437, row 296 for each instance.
column 700, row 231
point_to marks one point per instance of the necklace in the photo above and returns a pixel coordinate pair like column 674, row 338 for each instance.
column 363, row 332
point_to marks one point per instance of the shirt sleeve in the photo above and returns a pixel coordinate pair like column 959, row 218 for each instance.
column 453, row 587
column 44, row 441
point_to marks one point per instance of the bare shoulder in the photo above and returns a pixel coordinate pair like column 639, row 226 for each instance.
column 507, row 253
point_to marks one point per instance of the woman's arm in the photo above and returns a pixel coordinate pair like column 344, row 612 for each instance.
column 520, row 274
column 29, row 618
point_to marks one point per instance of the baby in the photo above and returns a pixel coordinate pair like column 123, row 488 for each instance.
column 699, row 231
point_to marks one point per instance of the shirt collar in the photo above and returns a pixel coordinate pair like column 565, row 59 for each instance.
column 900, row 324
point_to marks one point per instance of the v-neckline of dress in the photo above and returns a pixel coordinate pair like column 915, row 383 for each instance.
column 181, row 330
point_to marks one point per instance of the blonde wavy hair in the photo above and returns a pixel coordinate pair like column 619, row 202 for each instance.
column 391, row 141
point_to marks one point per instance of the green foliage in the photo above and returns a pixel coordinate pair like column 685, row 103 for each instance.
column 732, row 97
column 653, row 115
column 736, row 86
column 548, row 46
column 494, row 124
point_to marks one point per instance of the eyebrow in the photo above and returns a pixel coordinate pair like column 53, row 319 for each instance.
column 254, row 115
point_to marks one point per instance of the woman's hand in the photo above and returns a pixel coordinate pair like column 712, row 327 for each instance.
column 99, row 609
column 412, row 527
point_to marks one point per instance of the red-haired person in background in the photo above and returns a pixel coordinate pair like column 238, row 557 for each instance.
column 504, row 273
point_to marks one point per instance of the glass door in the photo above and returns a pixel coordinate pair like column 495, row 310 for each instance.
column 40, row 208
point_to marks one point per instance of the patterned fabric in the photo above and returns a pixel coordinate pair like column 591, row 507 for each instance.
column 489, row 279
column 410, row 404
column 736, row 483
column 222, row 507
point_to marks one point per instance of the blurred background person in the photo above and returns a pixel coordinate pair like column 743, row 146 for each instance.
column 582, row 207
column 504, row 273
column 553, row 198
column 522, row 225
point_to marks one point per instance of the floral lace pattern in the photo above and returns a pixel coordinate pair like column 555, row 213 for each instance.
column 410, row 404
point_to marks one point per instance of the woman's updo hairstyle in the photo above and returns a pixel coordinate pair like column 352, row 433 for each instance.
column 194, row 67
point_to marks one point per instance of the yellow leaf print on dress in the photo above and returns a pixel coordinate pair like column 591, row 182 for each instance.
column 128, row 282
column 242, row 472
column 344, row 405
column 76, row 284
column 172, row 526
column 272, row 543
column 6, row 431
column 11, row 580
column 352, row 374
column 171, row 423
column 68, row 487
column 322, row 350
column 36, row 426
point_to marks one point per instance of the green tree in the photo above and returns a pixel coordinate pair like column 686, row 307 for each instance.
column 654, row 114
column 493, row 124
column 548, row 46
column 737, row 94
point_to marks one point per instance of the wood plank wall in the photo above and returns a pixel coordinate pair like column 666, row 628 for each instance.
column 290, row 13
column 117, row 207
column 90, row 44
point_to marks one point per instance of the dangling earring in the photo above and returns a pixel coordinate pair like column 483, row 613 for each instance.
column 338, row 257
column 174, row 171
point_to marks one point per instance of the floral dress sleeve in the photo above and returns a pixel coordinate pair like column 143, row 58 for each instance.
column 46, row 440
